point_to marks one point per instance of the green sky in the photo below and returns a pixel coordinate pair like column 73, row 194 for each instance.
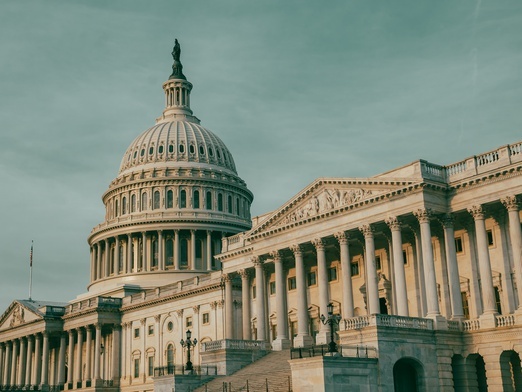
column 297, row 90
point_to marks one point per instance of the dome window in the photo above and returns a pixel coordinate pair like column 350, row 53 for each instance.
column 160, row 149
column 195, row 200
column 123, row 205
column 151, row 150
column 171, row 148
column 220, row 202
column 209, row 201
column 201, row 150
column 143, row 201
column 218, row 154
column 229, row 204
column 192, row 149
column 142, row 153
column 183, row 199
column 210, row 151
column 181, row 148
column 156, row 202
column 135, row 154
column 133, row 203
column 170, row 199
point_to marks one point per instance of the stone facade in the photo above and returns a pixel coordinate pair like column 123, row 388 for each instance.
column 421, row 263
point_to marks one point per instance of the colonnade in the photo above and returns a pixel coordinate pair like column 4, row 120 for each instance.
column 154, row 250
column 41, row 359
column 428, row 285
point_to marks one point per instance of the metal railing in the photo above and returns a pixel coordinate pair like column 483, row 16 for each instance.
column 180, row 370
column 344, row 350
column 250, row 386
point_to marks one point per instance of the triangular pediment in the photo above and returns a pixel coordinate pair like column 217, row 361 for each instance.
column 327, row 195
column 26, row 311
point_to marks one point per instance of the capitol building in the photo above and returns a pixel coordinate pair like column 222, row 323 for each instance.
column 412, row 275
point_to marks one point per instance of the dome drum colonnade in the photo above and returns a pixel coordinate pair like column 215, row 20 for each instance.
column 420, row 222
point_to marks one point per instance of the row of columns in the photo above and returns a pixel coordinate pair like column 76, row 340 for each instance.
column 428, row 281
column 177, row 96
column 25, row 362
column 140, row 255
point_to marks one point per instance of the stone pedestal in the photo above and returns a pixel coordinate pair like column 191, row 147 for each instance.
column 281, row 344
column 229, row 360
column 179, row 383
column 303, row 341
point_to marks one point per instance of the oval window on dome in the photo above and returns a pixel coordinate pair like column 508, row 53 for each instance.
column 151, row 150
column 192, row 149
column 218, row 154
column 160, row 149
column 135, row 154
column 201, row 150
column 182, row 148
column 171, row 148
column 142, row 153
column 210, row 151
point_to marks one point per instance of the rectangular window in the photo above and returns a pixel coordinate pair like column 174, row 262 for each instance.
column 355, row 268
column 378, row 266
column 205, row 318
column 254, row 292
column 151, row 366
column 151, row 330
column 312, row 280
column 136, row 333
column 490, row 237
column 188, row 322
column 465, row 304
column 292, row 283
column 332, row 274
column 272, row 287
column 405, row 257
column 458, row 245
column 136, row 367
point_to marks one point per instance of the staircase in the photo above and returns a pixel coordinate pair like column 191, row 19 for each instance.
column 273, row 369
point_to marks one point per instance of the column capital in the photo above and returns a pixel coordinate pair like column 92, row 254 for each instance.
column 367, row 230
column 276, row 255
column 195, row 309
column 393, row 223
column 296, row 249
column 447, row 221
column 510, row 202
column 423, row 215
column 256, row 260
column 477, row 211
column 209, row 232
column 143, row 321
column 318, row 243
column 244, row 273
column 157, row 318
column 179, row 312
column 213, row 305
column 342, row 237
column 227, row 277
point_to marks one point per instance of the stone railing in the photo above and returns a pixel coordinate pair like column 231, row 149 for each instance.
column 234, row 344
column 470, row 325
column 384, row 320
column 501, row 321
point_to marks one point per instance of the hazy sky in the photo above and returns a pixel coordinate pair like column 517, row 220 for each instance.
column 296, row 90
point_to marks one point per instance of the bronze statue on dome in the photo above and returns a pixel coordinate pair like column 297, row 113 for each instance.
column 177, row 67
column 176, row 52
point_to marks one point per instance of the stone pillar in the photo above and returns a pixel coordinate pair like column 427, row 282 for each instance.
column 29, row 360
column 78, row 362
column 2, row 346
column 176, row 250
column 486, row 278
column 193, row 249
column 116, row 344
column 245, row 299
column 322, row 281
column 372, row 288
column 209, row 250
column 430, row 281
column 93, row 264
column 98, row 261
column 116, row 261
column 20, row 379
column 7, row 364
column 161, row 251
column 401, row 292
column 61, row 360
column 129, row 254
column 260, row 299
column 303, row 337
column 229, row 307
column 457, row 312
column 107, row 258
column 515, row 235
column 145, row 266
column 88, row 355
column 346, row 275
column 97, row 352
column 37, row 360
column 14, row 362
column 45, row 359
column 281, row 342
column 70, row 357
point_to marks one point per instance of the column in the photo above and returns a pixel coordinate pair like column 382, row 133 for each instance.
column 282, row 342
column 37, row 360
column 7, row 363
column 116, row 344
column 372, row 288
column 97, row 352
column 14, row 362
column 457, row 312
column 129, row 254
column 209, row 250
column 432, row 297
column 245, row 299
column 145, row 266
column 93, row 265
column 303, row 337
column 322, row 281
column 29, row 360
column 78, row 362
column 107, row 258
column 515, row 235
column 176, row 250
column 229, row 307
column 2, row 345
column 45, row 359
column 260, row 298
column 161, row 251
column 88, row 351
column 346, row 275
column 70, row 356
column 401, row 291
column 61, row 360
column 20, row 380
column 486, row 278
column 193, row 249
column 116, row 261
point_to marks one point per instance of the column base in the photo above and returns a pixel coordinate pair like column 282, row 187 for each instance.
column 303, row 341
column 323, row 337
column 488, row 320
column 439, row 322
column 281, row 344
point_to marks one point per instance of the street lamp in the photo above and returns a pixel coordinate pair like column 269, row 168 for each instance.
column 331, row 319
column 188, row 343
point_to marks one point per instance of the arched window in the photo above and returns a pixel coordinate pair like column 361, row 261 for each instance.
column 116, row 208
column 144, row 201
column 199, row 249
column 209, row 201
column 170, row 199
column 229, row 204
column 169, row 252
column 133, row 203
column 183, row 199
column 156, row 200
column 220, row 202
column 155, row 255
column 170, row 358
column 195, row 200
column 238, row 211
column 183, row 250
column 123, row 205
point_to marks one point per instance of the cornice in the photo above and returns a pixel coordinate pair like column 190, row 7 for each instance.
column 234, row 253
column 483, row 179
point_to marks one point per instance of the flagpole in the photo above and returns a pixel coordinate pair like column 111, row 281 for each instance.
column 31, row 272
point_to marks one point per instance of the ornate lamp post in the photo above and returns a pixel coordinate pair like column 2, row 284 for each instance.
column 331, row 319
column 188, row 343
